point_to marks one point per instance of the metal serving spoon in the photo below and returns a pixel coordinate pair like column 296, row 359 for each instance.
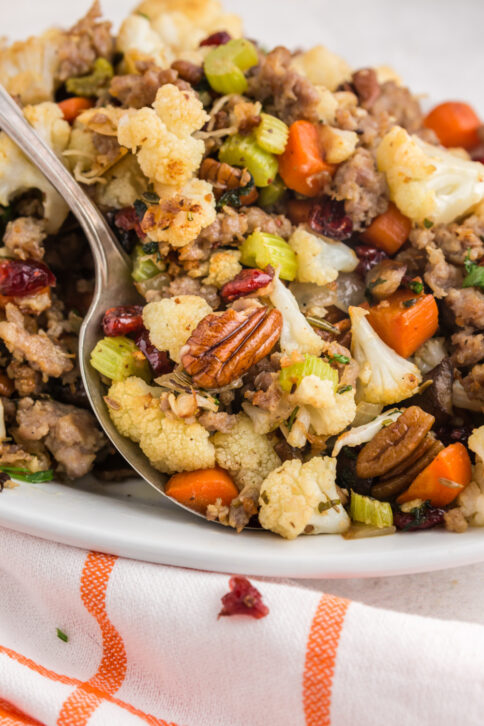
column 113, row 282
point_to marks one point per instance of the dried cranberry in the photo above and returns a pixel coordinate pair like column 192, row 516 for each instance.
column 327, row 216
column 123, row 320
column 246, row 282
column 19, row 278
column 243, row 599
column 424, row 517
column 128, row 220
column 369, row 257
column 158, row 359
column 455, row 434
column 219, row 38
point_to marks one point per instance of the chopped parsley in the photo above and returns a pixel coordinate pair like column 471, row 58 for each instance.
column 416, row 286
column 62, row 636
column 140, row 208
column 475, row 273
column 151, row 197
column 375, row 283
column 409, row 303
column 232, row 197
column 338, row 358
column 344, row 389
column 28, row 476
column 150, row 248
column 428, row 223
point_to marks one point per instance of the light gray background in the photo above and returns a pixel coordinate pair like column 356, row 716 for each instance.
column 437, row 46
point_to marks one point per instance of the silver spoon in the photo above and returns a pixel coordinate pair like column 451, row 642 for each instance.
column 113, row 282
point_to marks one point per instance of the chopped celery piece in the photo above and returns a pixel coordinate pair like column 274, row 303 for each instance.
column 261, row 249
column 89, row 85
column 311, row 366
column 118, row 358
column 243, row 151
column 143, row 266
column 370, row 511
column 224, row 66
column 272, row 134
column 272, row 194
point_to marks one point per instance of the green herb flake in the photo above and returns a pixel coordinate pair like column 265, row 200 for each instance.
column 36, row 477
column 416, row 286
column 428, row 223
column 375, row 283
column 292, row 418
column 338, row 358
column 475, row 272
column 232, row 197
column 140, row 208
column 190, row 216
column 150, row 248
column 324, row 506
column 62, row 636
column 409, row 303
column 344, row 389
column 151, row 197
column 143, row 15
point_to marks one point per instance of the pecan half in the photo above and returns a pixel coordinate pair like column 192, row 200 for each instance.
column 224, row 346
column 395, row 484
column 393, row 444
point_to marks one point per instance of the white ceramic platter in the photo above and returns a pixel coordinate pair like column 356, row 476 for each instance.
column 131, row 519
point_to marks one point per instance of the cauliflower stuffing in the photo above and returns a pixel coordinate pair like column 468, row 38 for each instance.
column 302, row 498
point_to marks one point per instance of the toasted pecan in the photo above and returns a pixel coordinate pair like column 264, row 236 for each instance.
column 394, row 443
column 225, row 345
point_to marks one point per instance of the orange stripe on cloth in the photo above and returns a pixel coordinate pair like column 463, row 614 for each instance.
column 321, row 652
column 59, row 678
column 81, row 704
column 10, row 715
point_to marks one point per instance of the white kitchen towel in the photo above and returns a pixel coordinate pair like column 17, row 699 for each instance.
column 88, row 639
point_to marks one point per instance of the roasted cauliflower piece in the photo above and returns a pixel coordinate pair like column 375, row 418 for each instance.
column 322, row 67
column 171, row 445
column 171, row 321
column 28, row 68
column 17, row 174
column 320, row 259
column 161, row 136
column 426, row 181
column 223, row 266
column 297, row 334
column 302, row 498
column 385, row 377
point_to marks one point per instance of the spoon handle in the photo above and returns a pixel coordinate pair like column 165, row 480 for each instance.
column 109, row 258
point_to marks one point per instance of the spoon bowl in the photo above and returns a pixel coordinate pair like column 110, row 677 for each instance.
column 113, row 282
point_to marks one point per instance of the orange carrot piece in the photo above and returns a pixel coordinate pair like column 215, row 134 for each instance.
column 443, row 479
column 403, row 324
column 197, row 489
column 455, row 124
column 302, row 166
column 389, row 230
column 72, row 107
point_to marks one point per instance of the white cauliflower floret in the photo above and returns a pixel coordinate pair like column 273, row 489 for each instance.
column 223, row 266
column 171, row 321
column 329, row 412
column 247, row 455
column 170, row 445
column 426, row 181
column 133, row 406
column 471, row 499
column 28, row 68
column 302, row 498
column 296, row 333
column 320, row 259
column 136, row 34
column 385, row 376
column 338, row 144
column 178, row 446
column 17, row 174
column 179, row 217
column 322, row 67
column 167, row 153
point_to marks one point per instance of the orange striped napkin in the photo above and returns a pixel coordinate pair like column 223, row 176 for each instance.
column 87, row 639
